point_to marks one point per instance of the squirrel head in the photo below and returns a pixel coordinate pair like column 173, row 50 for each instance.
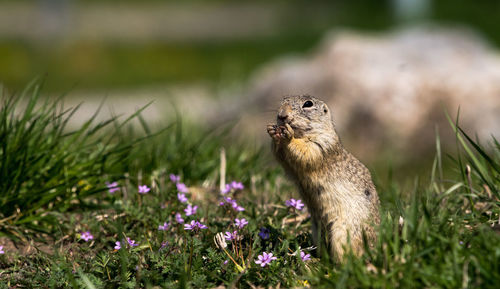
column 308, row 116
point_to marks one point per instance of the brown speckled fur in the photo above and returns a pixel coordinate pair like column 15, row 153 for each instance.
column 336, row 187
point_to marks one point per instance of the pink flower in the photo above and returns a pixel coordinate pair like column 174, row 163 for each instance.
column 144, row 189
column 297, row 204
column 118, row 245
column 179, row 218
column 181, row 187
column 174, row 178
column 240, row 223
column 305, row 256
column 112, row 187
column 163, row 227
column 265, row 259
column 1, row 250
column 86, row 236
column 190, row 210
column 182, row 197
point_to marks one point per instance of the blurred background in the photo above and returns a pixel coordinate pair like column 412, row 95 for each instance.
column 389, row 69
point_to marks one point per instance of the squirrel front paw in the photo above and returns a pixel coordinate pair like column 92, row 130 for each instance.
column 274, row 131
column 279, row 133
column 287, row 131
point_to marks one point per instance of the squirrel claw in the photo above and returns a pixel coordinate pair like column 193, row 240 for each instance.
column 287, row 131
column 273, row 131
column 279, row 133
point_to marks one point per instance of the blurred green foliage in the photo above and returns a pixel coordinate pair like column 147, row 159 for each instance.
column 103, row 65
column 94, row 65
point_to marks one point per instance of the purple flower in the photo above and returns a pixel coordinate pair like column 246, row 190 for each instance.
column 194, row 225
column 229, row 200
column 233, row 203
column 131, row 242
column 237, row 185
column 264, row 233
column 182, row 197
column 163, row 227
column 237, row 207
column 181, row 187
column 240, row 223
column 265, row 259
column 179, row 218
column 225, row 262
column 231, row 236
column 144, row 189
column 86, row 236
column 112, row 187
column 232, row 186
column 304, row 256
column 1, row 250
column 164, row 244
column 118, row 245
column 226, row 189
column 297, row 204
column 174, row 178
column 223, row 202
column 190, row 210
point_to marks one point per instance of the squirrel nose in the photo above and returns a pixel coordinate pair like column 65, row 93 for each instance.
column 284, row 112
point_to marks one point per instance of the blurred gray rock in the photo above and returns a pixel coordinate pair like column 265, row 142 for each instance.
column 388, row 91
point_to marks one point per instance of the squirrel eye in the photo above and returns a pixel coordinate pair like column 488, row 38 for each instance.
column 307, row 104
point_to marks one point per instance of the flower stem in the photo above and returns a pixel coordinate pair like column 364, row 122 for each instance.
column 190, row 259
column 241, row 269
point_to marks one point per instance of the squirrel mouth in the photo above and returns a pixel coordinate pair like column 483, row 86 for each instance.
column 282, row 122
column 298, row 131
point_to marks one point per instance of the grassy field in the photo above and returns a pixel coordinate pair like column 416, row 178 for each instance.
column 75, row 212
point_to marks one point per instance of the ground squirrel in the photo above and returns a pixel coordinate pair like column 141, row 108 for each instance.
column 336, row 187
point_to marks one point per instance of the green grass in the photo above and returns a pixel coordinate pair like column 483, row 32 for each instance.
column 46, row 168
column 448, row 238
